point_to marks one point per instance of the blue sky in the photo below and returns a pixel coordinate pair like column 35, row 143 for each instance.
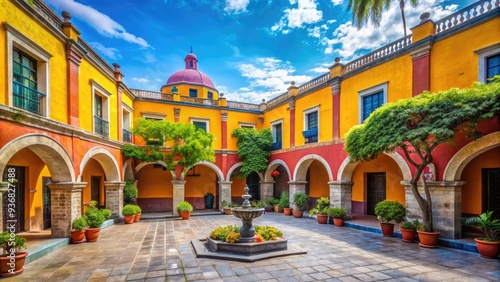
column 251, row 49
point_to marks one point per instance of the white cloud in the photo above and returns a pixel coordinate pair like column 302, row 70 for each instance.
column 99, row 21
column 110, row 52
column 236, row 6
column 349, row 41
column 337, row 2
column 140, row 79
column 322, row 68
column 305, row 13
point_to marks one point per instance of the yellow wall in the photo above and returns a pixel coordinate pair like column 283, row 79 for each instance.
column 323, row 98
column 318, row 181
column 280, row 113
column 198, row 186
column 237, row 186
column 154, row 183
column 233, row 122
column 396, row 72
column 394, row 190
column 92, row 168
column 472, row 190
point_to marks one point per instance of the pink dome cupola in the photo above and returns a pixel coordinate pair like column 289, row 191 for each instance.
column 191, row 74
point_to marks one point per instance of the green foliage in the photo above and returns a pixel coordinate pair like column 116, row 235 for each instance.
column 221, row 232
column 184, row 206
column 79, row 223
column 231, row 233
column 322, row 206
column 411, row 225
column 95, row 218
column 254, row 149
column 268, row 233
column 284, row 200
column 273, row 201
column 128, row 210
column 336, row 212
column 10, row 241
column 485, row 222
column 187, row 144
column 138, row 209
column 418, row 125
column 130, row 191
column 387, row 211
column 106, row 213
column 259, row 204
column 300, row 200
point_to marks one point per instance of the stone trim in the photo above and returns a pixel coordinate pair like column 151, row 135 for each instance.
column 114, row 197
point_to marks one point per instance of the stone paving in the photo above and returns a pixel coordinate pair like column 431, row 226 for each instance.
column 159, row 250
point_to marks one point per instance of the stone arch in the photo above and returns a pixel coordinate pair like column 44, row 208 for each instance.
column 128, row 171
column 347, row 168
column 214, row 167
column 47, row 149
column 457, row 163
column 143, row 164
column 302, row 165
column 232, row 169
column 272, row 166
column 105, row 159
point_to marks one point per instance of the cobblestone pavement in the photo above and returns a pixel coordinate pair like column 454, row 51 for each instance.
column 160, row 250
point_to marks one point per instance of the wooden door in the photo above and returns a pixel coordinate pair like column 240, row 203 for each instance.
column 375, row 186
column 14, row 217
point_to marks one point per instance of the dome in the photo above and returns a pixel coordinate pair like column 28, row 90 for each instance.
column 190, row 74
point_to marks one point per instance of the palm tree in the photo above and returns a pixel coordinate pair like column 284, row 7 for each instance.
column 364, row 10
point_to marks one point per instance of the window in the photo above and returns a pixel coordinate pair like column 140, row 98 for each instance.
column 276, row 129
column 101, row 109
column 200, row 123
column 489, row 62
column 27, row 72
column 193, row 93
column 190, row 64
column 492, row 66
column 246, row 124
column 153, row 115
column 311, row 125
column 370, row 99
column 210, row 95
column 126, row 133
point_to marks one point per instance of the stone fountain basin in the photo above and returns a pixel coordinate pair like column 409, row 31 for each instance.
column 247, row 213
column 246, row 248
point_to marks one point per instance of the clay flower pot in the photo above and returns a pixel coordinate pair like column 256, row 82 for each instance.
column 387, row 229
column 5, row 266
column 322, row 218
column 298, row 214
column 137, row 217
column 184, row 214
column 338, row 221
column 228, row 211
column 428, row 239
column 77, row 236
column 487, row 249
column 91, row 234
column 287, row 211
column 408, row 235
column 277, row 208
column 128, row 219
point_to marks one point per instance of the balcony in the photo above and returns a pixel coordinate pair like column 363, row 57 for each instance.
column 276, row 146
column 101, row 126
column 27, row 98
column 310, row 135
column 127, row 135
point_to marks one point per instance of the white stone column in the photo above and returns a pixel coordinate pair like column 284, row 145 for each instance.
column 114, row 197
column 446, row 199
column 266, row 190
column 3, row 188
column 178, row 194
column 295, row 187
column 341, row 196
column 224, row 192
column 66, row 205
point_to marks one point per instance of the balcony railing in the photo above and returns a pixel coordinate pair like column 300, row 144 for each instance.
column 276, row 145
column 27, row 98
column 127, row 136
column 310, row 135
column 101, row 126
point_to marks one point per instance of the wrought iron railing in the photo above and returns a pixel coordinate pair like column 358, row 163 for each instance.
column 276, row 145
column 27, row 98
column 127, row 135
column 101, row 126
column 310, row 135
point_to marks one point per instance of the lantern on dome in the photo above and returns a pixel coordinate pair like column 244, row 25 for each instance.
column 275, row 173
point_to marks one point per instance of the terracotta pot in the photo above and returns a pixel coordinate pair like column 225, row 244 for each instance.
column 387, row 229
column 298, row 214
column 408, row 235
column 322, row 218
column 5, row 266
column 338, row 221
column 268, row 209
column 137, row 217
column 77, row 236
column 184, row 214
column 129, row 219
column 428, row 239
column 91, row 234
column 287, row 211
column 228, row 211
column 488, row 249
column 277, row 208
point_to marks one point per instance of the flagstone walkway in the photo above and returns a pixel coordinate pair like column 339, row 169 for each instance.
column 160, row 250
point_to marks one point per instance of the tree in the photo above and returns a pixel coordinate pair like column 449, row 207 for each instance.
column 254, row 149
column 417, row 125
column 364, row 10
column 186, row 145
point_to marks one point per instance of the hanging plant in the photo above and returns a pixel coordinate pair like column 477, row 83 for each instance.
column 254, row 149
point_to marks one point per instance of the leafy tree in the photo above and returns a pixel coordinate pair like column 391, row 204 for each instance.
column 187, row 145
column 254, row 149
column 418, row 125
column 364, row 10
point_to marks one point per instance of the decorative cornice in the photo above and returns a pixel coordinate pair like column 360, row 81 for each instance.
column 74, row 51
column 18, row 35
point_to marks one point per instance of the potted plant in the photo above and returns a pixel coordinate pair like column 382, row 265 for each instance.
column 209, row 200
column 184, row 209
column 130, row 191
column 276, row 204
column 226, row 207
column 78, row 226
column 388, row 211
column 285, row 203
column 106, row 213
column 489, row 246
column 409, row 230
column 138, row 212
column 128, row 212
column 95, row 218
column 321, row 210
column 300, row 201
column 337, row 213
column 12, row 246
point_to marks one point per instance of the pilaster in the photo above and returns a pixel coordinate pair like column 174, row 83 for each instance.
column 178, row 194
column 224, row 192
column 341, row 196
column 114, row 197
column 266, row 190
column 291, row 108
column 335, row 88
column 296, row 187
column 177, row 114
column 66, row 205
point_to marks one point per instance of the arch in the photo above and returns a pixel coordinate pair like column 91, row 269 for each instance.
column 232, row 169
column 273, row 165
column 347, row 168
column 47, row 149
column 214, row 167
column 457, row 163
column 303, row 164
column 143, row 164
column 105, row 159
column 127, row 171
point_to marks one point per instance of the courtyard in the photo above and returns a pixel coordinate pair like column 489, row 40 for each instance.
column 160, row 250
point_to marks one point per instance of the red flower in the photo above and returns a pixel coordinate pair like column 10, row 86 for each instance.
column 258, row 239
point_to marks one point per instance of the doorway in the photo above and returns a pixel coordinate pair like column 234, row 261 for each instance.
column 375, row 186
column 13, row 210
column 253, row 183
column 46, row 203
column 95, row 189
column 491, row 190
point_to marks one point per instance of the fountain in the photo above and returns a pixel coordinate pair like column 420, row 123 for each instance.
column 246, row 213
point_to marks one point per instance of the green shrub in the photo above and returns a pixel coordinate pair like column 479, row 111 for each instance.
column 284, row 200
column 106, row 213
column 322, row 206
column 79, row 223
column 259, row 204
column 130, row 191
column 95, row 218
column 128, row 210
column 18, row 242
column 300, row 200
column 387, row 211
column 184, row 206
column 336, row 212
column 411, row 225
column 138, row 209
column 273, row 201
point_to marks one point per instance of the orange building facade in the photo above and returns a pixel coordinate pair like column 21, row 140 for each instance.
column 65, row 113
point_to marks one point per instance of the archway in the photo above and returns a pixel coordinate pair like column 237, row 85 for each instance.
column 314, row 172
column 279, row 179
column 202, row 186
column 154, row 183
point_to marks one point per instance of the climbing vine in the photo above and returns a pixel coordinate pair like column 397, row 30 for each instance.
column 254, row 149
